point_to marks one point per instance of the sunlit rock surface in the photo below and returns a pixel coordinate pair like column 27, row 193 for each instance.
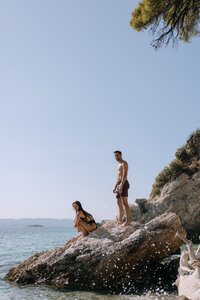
column 182, row 197
column 110, row 258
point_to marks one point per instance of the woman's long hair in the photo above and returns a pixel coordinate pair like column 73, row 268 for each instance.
column 80, row 208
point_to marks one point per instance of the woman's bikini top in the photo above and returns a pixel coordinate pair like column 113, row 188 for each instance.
column 89, row 222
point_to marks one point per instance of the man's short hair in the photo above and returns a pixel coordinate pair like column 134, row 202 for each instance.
column 119, row 152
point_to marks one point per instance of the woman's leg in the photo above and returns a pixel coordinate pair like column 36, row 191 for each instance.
column 77, row 228
column 83, row 230
column 85, row 227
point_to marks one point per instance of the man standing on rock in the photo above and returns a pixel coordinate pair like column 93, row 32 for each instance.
column 121, row 189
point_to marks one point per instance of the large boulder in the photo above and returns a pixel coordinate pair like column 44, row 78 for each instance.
column 181, row 196
column 110, row 258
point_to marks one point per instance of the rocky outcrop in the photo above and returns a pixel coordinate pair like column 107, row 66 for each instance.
column 182, row 197
column 176, row 189
column 186, row 161
column 188, row 281
column 110, row 258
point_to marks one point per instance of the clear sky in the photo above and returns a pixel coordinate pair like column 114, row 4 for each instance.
column 77, row 83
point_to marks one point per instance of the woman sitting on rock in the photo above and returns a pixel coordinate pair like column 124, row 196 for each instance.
column 84, row 222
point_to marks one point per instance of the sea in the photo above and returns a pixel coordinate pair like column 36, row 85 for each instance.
column 18, row 243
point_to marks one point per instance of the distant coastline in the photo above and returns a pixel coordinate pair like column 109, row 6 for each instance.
column 36, row 222
column 35, row 225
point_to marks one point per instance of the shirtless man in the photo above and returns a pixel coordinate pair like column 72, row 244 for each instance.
column 121, row 189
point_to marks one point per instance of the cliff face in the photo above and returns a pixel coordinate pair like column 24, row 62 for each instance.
column 110, row 258
column 186, row 161
column 176, row 189
column 181, row 196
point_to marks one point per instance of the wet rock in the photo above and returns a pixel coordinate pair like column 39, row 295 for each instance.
column 110, row 258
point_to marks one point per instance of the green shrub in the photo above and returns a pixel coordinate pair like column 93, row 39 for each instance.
column 155, row 191
column 186, row 161
column 194, row 138
column 176, row 168
column 193, row 144
column 163, row 177
column 182, row 155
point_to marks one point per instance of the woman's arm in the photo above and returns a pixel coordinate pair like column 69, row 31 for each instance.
column 76, row 219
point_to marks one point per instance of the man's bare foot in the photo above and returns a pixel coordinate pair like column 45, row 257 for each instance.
column 118, row 224
column 125, row 224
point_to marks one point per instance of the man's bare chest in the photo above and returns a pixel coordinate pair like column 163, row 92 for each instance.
column 119, row 168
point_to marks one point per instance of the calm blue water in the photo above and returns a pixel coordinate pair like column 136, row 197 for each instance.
column 17, row 244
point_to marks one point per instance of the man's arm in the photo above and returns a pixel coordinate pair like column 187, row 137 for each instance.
column 115, row 187
column 124, row 173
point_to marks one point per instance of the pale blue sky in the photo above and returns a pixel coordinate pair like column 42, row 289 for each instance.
column 78, row 83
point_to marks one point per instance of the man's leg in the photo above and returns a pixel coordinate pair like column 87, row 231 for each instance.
column 120, row 206
column 127, row 211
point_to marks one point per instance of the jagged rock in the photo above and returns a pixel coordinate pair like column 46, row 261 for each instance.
column 110, row 258
column 188, row 281
column 182, row 197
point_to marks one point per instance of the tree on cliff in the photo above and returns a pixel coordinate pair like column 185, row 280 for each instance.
column 171, row 20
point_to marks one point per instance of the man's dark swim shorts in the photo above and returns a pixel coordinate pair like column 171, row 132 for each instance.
column 124, row 192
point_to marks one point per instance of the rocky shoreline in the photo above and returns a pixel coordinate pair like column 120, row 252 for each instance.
column 110, row 258
column 182, row 197
column 140, row 257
